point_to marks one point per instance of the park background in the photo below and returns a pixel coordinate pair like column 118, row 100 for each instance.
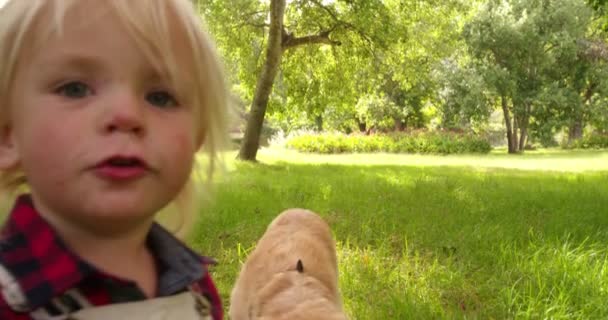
column 456, row 148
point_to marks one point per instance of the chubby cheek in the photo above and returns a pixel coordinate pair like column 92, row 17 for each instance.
column 179, row 155
column 46, row 149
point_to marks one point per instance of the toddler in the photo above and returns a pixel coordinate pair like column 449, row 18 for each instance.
column 103, row 106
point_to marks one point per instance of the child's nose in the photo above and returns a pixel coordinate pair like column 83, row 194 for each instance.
column 126, row 115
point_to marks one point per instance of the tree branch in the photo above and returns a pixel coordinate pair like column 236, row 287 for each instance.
column 339, row 22
column 594, row 50
column 326, row 9
column 249, row 19
column 252, row 24
column 289, row 41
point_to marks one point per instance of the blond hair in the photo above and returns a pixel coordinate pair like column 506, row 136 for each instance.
column 152, row 25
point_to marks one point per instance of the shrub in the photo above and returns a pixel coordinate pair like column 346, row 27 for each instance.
column 411, row 142
column 592, row 141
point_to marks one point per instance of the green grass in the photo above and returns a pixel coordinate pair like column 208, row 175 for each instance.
column 546, row 159
column 434, row 237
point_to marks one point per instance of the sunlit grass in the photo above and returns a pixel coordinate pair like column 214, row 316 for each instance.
column 556, row 279
column 431, row 238
column 544, row 159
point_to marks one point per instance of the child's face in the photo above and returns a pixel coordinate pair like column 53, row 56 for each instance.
column 98, row 132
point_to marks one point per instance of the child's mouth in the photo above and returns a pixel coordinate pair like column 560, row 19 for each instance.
column 123, row 162
column 121, row 168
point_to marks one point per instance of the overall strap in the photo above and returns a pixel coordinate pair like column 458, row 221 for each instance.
column 60, row 308
column 11, row 291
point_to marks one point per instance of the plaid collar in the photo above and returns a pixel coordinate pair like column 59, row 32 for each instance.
column 45, row 268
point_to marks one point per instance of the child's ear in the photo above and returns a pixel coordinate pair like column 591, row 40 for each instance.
column 9, row 155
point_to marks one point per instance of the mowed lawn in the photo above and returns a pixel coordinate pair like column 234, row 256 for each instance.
column 433, row 237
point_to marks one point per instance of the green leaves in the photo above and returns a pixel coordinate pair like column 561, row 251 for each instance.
column 533, row 54
column 387, row 48
column 545, row 57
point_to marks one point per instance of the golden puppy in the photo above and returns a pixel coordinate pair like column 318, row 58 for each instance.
column 291, row 274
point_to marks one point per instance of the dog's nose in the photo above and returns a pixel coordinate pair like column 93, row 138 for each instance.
column 300, row 266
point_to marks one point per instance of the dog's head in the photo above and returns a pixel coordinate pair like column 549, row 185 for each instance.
column 291, row 274
column 296, row 295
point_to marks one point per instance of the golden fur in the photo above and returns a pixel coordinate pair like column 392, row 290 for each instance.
column 270, row 286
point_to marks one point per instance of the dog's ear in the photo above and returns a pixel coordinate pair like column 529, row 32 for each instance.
column 300, row 266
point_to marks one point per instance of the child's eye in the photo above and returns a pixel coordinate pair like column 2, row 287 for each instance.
column 74, row 89
column 161, row 99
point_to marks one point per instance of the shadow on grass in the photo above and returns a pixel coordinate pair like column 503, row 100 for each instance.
column 424, row 242
column 441, row 202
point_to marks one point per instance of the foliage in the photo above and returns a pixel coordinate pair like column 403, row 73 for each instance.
column 592, row 141
column 319, row 86
column 447, row 64
column 597, row 117
column 378, row 113
column 410, row 142
column 601, row 9
column 464, row 96
column 541, row 61
column 238, row 29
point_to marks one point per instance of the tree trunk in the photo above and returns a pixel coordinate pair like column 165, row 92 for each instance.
column 274, row 53
column 279, row 40
column 362, row 126
column 515, row 139
column 523, row 135
column 319, row 123
column 523, row 130
column 510, row 139
column 399, row 125
column 575, row 131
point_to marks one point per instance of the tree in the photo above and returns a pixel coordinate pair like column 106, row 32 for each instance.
column 319, row 21
column 518, row 47
column 279, row 40
column 429, row 32
column 320, row 86
column 464, row 96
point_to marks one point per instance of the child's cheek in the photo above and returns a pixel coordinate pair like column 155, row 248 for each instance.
column 49, row 153
column 183, row 149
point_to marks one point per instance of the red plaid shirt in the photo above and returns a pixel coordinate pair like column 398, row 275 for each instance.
column 45, row 268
